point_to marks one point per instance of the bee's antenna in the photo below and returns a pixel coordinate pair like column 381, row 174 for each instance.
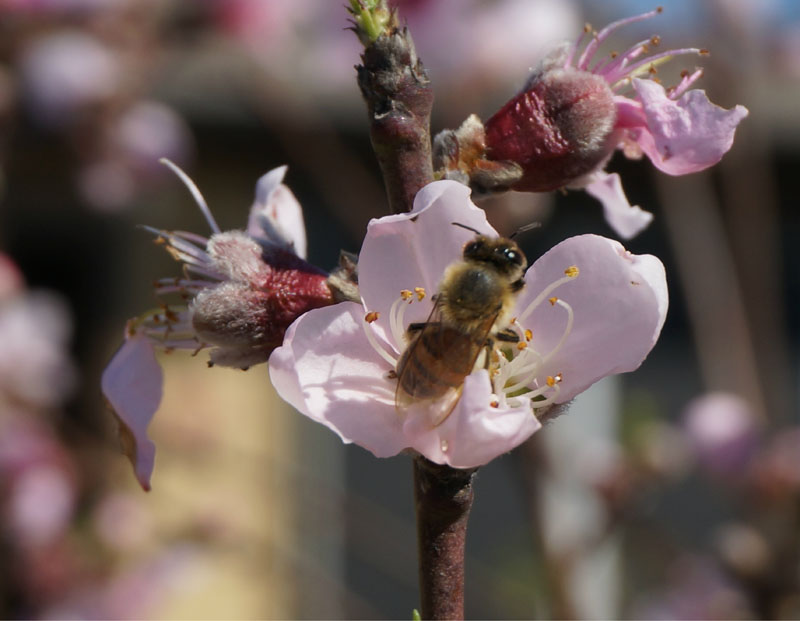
column 469, row 228
column 524, row 228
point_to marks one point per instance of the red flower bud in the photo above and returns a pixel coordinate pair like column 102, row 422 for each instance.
column 246, row 319
column 556, row 129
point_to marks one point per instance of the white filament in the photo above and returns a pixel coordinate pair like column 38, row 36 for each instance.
column 198, row 197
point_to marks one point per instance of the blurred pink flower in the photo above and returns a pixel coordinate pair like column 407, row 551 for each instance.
column 723, row 430
column 64, row 72
column 133, row 140
column 38, row 478
column 243, row 289
column 336, row 367
column 569, row 118
column 35, row 328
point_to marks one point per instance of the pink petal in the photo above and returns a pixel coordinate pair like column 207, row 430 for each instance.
column 626, row 219
column 405, row 251
column 133, row 384
column 276, row 216
column 686, row 135
column 352, row 395
column 474, row 433
column 327, row 369
column 619, row 302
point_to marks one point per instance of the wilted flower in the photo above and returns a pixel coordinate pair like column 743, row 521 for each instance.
column 243, row 289
column 588, row 309
column 563, row 126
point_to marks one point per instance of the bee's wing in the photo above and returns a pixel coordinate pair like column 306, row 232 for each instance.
column 437, row 360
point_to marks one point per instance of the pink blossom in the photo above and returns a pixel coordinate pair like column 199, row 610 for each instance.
column 593, row 309
column 723, row 430
column 563, row 126
column 243, row 290
column 35, row 329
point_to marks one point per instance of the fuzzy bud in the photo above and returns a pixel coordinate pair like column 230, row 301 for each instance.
column 556, row 129
column 247, row 316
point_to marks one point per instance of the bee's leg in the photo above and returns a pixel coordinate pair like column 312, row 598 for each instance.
column 508, row 336
column 489, row 352
column 417, row 326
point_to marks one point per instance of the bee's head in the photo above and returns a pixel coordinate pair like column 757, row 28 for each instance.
column 499, row 253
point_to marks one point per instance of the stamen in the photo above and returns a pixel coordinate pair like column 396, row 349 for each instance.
column 547, row 290
column 528, row 335
column 420, row 291
column 635, row 69
column 565, row 334
column 687, row 80
column 396, row 313
column 198, row 197
column 372, row 316
column 556, row 389
column 601, row 36
column 620, row 61
column 527, row 372
column 374, row 342
column 587, row 29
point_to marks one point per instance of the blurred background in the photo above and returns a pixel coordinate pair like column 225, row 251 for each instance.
column 672, row 492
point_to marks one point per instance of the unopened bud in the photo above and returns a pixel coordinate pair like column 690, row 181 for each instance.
column 556, row 129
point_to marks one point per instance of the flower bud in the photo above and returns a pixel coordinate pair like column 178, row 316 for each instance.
column 246, row 319
column 556, row 129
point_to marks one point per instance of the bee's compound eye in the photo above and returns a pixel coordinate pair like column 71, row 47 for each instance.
column 513, row 256
column 472, row 248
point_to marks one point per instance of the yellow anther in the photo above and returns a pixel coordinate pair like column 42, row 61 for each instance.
column 406, row 294
column 558, row 378
column 553, row 300
column 371, row 316
column 659, row 9
column 652, row 70
column 572, row 271
column 522, row 345
column 704, row 52
column 655, row 40
column 513, row 320
column 420, row 291
column 551, row 381
column 528, row 335
column 614, row 54
column 495, row 404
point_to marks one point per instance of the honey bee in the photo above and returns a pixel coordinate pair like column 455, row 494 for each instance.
column 471, row 309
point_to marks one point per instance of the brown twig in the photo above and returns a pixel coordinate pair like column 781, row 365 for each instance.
column 443, row 498
column 399, row 99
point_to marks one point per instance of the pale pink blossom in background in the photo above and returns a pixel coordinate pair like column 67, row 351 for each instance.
column 723, row 430
column 38, row 477
column 605, row 320
column 133, row 142
column 35, row 368
column 64, row 72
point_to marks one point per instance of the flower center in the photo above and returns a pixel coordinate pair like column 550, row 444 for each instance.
column 515, row 370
